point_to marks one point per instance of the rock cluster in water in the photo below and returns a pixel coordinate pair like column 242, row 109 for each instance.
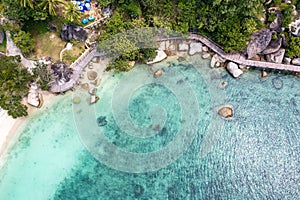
column 101, row 121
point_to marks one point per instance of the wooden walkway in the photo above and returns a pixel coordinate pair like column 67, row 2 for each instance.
column 90, row 53
column 240, row 59
column 77, row 67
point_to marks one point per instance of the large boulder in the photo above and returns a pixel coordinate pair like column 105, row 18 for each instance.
column 161, row 55
column 276, row 57
column 216, row 60
column 296, row 61
column 276, row 24
column 259, row 42
column 226, row 111
column 195, row 48
column 234, row 69
column 273, row 46
column 71, row 32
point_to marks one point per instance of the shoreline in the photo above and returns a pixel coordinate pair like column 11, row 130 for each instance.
column 11, row 126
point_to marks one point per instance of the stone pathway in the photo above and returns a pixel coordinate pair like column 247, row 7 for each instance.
column 13, row 50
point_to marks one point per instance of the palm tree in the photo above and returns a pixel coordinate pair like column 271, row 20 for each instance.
column 51, row 5
column 72, row 13
column 24, row 3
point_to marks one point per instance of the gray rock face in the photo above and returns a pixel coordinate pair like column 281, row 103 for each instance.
column 216, row 60
column 273, row 46
column 1, row 37
column 276, row 24
column 276, row 57
column 259, row 42
column 71, row 32
column 234, row 70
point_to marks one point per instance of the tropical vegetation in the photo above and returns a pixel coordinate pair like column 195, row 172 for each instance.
column 14, row 81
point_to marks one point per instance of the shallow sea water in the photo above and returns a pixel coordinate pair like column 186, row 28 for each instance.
column 254, row 155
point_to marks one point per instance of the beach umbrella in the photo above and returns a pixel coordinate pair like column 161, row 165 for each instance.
column 88, row 6
column 85, row 21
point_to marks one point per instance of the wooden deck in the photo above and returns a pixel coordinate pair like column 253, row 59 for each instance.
column 77, row 66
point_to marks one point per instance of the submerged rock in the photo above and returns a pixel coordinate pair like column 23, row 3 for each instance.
column 206, row 55
column 195, row 48
column 183, row 47
column 226, row 111
column 101, row 121
column 277, row 83
column 158, row 73
column 76, row 100
column 92, row 75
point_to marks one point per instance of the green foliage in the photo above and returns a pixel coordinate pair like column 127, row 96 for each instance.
column 24, row 41
column 119, row 65
column 293, row 48
column 72, row 13
column 23, row 10
column 42, row 75
column 277, row 2
column 51, row 6
column 287, row 14
column 14, row 81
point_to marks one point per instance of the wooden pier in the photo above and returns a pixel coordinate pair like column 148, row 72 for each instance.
column 240, row 59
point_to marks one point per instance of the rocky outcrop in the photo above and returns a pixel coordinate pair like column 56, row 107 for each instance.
column 1, row 37
column 276, row 57
column 276, row 24
column 264, row 74
column 296, row 61
column 273, row 46
column 94, row 99
column 34, row 98
column 234, row 70
column 226, row 111
column 195, row 48
column 287, row 60
column 71, row 32
column 161, row 55
column 216, row 61
column 259, row 41
column 205, row 48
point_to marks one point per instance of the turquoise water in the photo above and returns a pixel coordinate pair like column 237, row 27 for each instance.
column 254, row 155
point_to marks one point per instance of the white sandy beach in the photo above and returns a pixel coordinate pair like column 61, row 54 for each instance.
column 9, row 126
